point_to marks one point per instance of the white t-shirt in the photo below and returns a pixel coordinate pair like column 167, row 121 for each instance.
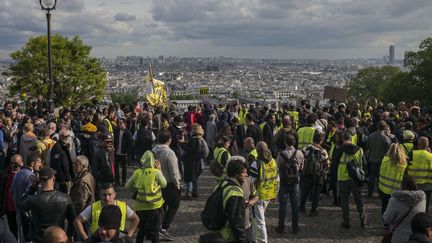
column 87, row 212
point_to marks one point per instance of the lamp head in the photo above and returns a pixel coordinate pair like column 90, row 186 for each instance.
column 48, row 4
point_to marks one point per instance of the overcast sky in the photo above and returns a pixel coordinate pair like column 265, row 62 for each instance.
column 233, row 28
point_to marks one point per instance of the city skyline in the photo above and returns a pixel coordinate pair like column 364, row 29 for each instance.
column 318, row 29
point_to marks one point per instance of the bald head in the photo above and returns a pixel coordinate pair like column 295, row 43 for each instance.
column 423, row 143
column 54, row 234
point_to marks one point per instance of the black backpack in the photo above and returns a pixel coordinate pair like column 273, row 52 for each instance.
column 313, row 165
column 213, row 216
column 289, row 172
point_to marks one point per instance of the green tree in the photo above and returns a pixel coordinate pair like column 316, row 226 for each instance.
column 127, row 99
column 419, row 64
column 371, row 82
column 77, row 76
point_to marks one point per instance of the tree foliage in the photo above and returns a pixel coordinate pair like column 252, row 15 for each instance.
column 127, row 99
column 77, row 76
column 389, row 84
column 371, row 82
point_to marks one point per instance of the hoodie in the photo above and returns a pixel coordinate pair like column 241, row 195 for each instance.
column 348, row 153
column 398, row 206
column 169, row 164
column 28, row 144
column 137, row 181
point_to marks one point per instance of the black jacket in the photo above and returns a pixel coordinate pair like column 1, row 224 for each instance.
column 235, row 209
column 102, row 166
column 61, row 162
column 254, row 131
column 48, row 208
column 126, row 145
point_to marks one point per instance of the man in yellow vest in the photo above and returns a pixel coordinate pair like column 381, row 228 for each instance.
column 408, row 145
column 306, row 133
column 242, row 114
column 148, row 181
column 264, row 174
column 421, row 168
column 350, row 154
column 91, row 213
column 221, row 153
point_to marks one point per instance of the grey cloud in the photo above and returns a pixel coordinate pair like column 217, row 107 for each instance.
column 124, row 17
column 71, row 6
column 293, row 24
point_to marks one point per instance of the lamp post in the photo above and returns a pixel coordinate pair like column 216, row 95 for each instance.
column 49, row 5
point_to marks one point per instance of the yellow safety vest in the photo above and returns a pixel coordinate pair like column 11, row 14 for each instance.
column 262, row 125
column 267, row 183
column 354, row 139
column 342, row 173
column 242, row 116
column 254, row 154
column 217, row 154
column 96, row 209
column 305, row 136
column 149, row 194
column 390, row 176
column 295, row 116
column 421, row 167
column 408, row 147
column 110, row 126
column 229, row 191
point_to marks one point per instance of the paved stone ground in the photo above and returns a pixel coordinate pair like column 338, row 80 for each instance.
column 325, row 227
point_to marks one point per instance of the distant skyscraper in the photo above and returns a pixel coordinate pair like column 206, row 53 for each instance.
column 392, row 55
column 141, row 61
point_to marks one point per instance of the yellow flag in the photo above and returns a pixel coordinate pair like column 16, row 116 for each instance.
column 158, row 96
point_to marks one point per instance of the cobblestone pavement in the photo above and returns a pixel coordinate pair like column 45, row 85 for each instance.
column 325, row 227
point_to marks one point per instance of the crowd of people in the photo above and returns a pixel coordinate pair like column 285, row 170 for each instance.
column 60, row 170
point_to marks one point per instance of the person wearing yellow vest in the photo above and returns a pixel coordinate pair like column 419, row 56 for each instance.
column 221, row 153
column 350, row 154
column 281, row 134
column 408, row 144
column 91, row 213
column 306, row 133
column 109, row 122
column 242, row 114
column 392, row 171
column 108, row 227
column 264, row 174
column 314, row 173
column 251, row 152
column 233, row 202
column 421, row 168
column 148, row 182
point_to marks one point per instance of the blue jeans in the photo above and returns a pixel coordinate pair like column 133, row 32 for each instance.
column 192, row 186
column 293, row 193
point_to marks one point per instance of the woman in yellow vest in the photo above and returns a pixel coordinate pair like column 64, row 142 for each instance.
column 148, row 181
column 392, row 171
column 263, row 172
column 221, row 153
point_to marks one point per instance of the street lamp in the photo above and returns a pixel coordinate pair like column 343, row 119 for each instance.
column 49, row 5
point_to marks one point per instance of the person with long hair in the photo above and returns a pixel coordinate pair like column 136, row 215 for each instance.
column 392, row 170
column 196, row 151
